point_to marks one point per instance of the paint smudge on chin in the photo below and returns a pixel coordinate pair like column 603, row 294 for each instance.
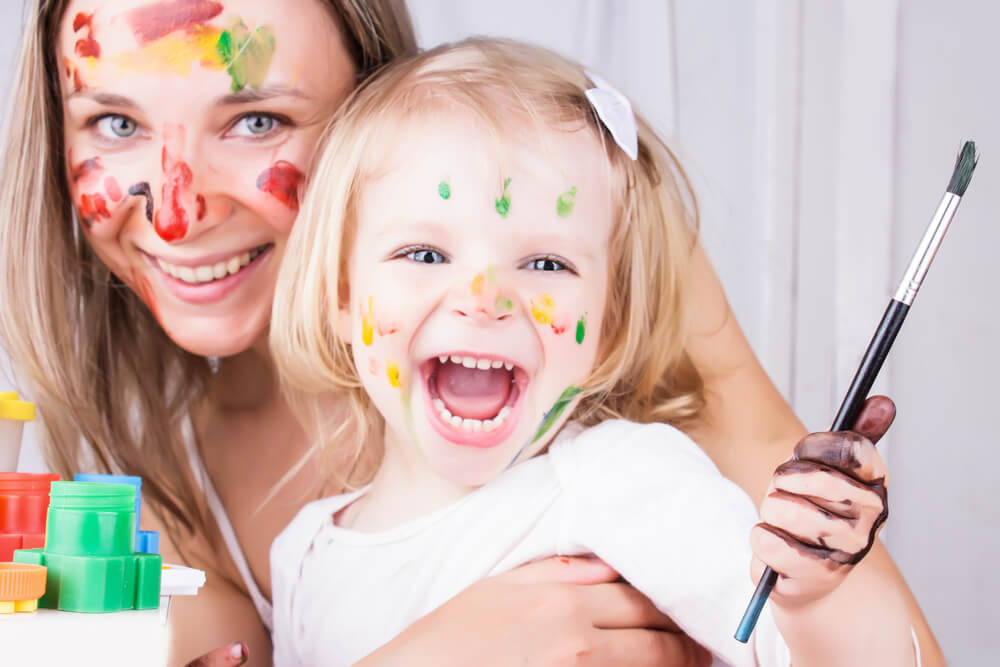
column 565, row 203
column 367, row 325
column 113, row 189
column 156, row 20
column 86, row 168
column 143, row 190
column 392, row 372
column 502, row 203
column 93, row 207
column 581, row 329
column 86, row 47
column 281, row 181
column 171, row 221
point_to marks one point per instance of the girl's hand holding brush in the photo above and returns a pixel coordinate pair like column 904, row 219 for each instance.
column 824, row 509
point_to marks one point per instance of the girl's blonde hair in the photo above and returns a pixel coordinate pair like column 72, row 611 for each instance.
column 112, row 389
column 643, row 372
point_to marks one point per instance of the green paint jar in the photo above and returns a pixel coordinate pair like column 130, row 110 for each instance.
column 89, row 551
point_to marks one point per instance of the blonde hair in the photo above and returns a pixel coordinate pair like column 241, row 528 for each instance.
column 112, row 389
column 643, row 372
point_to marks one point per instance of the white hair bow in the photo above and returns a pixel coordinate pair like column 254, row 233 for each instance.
column 615, row 112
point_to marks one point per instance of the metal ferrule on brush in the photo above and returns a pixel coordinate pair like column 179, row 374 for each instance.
column 928, row 247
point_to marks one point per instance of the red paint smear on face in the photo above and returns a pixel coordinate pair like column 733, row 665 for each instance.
column 559, row 328
column 93, row 207
column 86, row 168
column 113, row 189
column 201, row 206
column 87, row 46
column 171, row 221
column 281, row 181
column 153, row 21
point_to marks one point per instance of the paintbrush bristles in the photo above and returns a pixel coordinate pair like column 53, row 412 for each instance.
column 964, row 166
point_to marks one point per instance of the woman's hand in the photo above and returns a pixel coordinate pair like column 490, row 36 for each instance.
column 227, row 656
column 559, row 611
column 824, row 508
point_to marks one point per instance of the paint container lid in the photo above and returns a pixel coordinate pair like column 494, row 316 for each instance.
column 19, row 581
column 11, row 407
column 27, row 483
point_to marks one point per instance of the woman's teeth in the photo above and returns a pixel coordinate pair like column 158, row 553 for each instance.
column 473, row 362
column 204, row 274
column 472, row 425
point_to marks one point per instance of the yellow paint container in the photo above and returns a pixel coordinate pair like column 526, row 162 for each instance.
column 13, row 413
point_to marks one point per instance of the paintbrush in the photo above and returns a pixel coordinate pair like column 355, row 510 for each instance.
column 878, row 348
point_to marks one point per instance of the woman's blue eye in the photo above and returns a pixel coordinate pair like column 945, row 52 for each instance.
column 424, row 256
column 258, row 123
column 545, row 264
column 121, row 127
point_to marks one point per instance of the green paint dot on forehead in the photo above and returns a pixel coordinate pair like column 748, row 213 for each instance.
column 245, row 53
column 565, row 202
column 503, row 202
column 444, row 190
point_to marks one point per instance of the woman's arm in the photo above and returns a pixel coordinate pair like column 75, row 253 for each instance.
column 220, row 612
column 749, row 429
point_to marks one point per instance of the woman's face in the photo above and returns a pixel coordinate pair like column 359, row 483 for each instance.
column 188, row 126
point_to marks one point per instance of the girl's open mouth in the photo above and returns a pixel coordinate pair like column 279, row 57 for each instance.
column 473, row 400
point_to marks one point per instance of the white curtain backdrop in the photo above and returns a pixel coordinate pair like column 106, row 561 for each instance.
column 820, row 136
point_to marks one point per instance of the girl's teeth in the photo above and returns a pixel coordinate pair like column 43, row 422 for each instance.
column 186, row 273
column 439, row 405
column 443, row 358
column 509, row 366
column 468, row 362
column 489, row 425
column 497, row 363
column 220, row 270
column 244, row 259
column 204, row 274
column 484, row 364
column 456, row 420
column 455, row 359
column 233, row 265
column 473, row 425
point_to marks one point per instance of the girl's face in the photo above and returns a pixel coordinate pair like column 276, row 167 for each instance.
column 478, row 291
column 188, row 126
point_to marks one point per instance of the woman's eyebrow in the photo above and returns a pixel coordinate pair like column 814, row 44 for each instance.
column 106, row 99
column 258, row 94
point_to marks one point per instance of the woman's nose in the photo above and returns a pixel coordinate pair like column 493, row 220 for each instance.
column 182, row 210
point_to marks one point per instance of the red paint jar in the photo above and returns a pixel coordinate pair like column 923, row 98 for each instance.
column 24, row 502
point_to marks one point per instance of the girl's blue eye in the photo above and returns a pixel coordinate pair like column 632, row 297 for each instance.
column 115, row 126
column 425, row 256
column 545, row 264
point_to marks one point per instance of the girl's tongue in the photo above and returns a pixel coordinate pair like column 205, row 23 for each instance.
column 472, row 393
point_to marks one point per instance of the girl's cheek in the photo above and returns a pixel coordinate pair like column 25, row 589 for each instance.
column 282, row 183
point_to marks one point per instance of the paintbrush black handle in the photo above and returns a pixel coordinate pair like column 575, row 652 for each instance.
column 871, row 364
column 864, row 378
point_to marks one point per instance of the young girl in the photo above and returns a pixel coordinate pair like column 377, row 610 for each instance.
column 488, row 249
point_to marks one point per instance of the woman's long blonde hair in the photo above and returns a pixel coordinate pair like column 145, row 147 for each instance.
column 112, row 389
column 643, row 372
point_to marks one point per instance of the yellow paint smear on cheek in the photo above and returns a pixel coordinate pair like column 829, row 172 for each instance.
column 392, row 372
column 175, row 53
column 543, row 309
column 368, row 325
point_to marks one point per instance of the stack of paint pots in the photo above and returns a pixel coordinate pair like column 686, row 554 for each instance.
column 90, row 551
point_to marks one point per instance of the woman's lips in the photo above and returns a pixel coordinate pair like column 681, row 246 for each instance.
column 216, row 290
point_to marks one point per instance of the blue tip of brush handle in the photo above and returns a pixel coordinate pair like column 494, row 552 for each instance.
column 760, row 596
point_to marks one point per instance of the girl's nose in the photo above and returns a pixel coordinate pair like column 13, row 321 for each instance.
column 482, row 299
column 183, row 209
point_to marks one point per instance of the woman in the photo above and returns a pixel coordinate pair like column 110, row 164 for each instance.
column 162, row 145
